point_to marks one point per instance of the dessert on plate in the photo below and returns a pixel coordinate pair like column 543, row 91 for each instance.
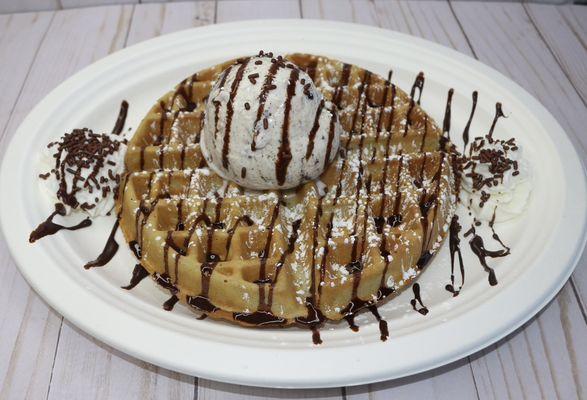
column 272, row 190
column 357, row 190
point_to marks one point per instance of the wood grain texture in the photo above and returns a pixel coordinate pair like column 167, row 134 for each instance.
column 546, row 359
column 30, row 330
column 210, row 390
column 17, row 52
column 564, row 29
column 238, row 10
column 13, row 6
column 86, row 368
column 91, row 3
column 450, row 382
column 506, row 39
column 151, row 20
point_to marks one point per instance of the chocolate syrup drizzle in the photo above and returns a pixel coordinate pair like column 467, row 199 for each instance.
column 418, row 300
column 170, row 303
column 284, row 154
column 230, row 111
column 120, row 121
column 454, row 246
column 138, row 274
column 498, row 113
column 419, row 86
column 478, row 248
column 109, row 250
column 447, row 112
column 48, row 227
column 314, row 130
column 468, row 126
column 202, row 301
column 267, row 87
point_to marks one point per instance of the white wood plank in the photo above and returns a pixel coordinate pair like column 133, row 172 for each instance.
column 211, row 390
column 29, row 329
column 8, row 6
column 238, row 10
column 434, row 21
column 560, row 27
column 80, row 37
column 451, row 382
column 20, row 38
column 575, row 16
column 506, row 39
column 544, row 360
column 83, row 366
column 90, row 3
column 151, row 20
column 344, row 10
column 29, row 332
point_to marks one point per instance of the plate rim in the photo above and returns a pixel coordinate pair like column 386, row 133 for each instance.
column 22, row 260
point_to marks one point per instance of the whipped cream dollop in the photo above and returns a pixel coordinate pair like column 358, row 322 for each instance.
column 495, row 179
column 82, row 171
column 266, row 126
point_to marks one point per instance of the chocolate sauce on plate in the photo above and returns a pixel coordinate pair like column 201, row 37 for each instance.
column 170, row 303
column 119, row 125
column 48, row 227
column 138, row 274
column 108, row 252
column 418, row 300
column 454, row 246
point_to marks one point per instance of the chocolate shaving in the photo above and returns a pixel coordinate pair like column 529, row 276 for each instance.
column 79, row 150
column 497, row 162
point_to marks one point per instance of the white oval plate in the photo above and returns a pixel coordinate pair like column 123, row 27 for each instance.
column 546, row 241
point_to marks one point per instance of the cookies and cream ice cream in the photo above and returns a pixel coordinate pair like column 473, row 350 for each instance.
column 496, row 179
column 266, row 126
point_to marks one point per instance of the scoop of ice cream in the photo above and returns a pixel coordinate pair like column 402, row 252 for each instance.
column 82, row 171
column 496, row 179
column 267, row 127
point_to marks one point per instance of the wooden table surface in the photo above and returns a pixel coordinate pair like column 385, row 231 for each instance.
column 542, row 47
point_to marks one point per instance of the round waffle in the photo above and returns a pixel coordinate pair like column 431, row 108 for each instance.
column 327, row 249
